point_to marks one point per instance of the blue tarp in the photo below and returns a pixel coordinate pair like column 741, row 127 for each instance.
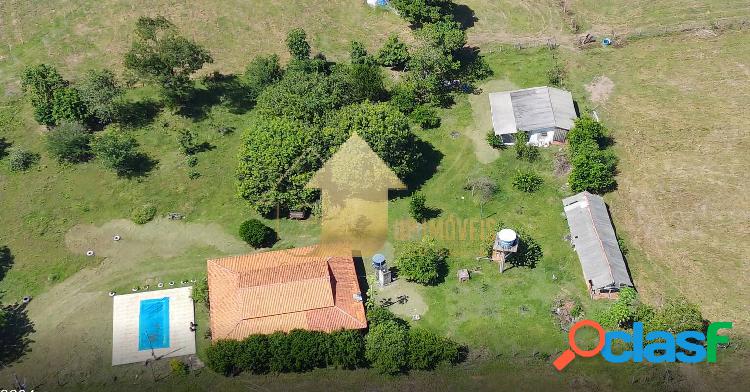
column 153, row 325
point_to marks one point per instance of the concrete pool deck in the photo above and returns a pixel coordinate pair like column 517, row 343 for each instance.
column 125, row 324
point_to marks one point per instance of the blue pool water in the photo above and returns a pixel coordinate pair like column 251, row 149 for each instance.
column 153, row 327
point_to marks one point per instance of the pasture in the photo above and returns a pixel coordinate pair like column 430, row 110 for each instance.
column 674, row 109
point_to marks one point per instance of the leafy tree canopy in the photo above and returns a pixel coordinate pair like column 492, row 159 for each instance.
column 296, row 41
column 101, row 92
column 117, row 150
column 68, row 106
column 394, row 53
column 39, row 83
column 277, row 158
column 421, row 261
column 386, row 347
column 446, row 35
column 69, row 142
column 419, row 12
column 262, row 72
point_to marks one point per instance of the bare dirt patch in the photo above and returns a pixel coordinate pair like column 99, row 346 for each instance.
column 600, row 89
column 402, row 298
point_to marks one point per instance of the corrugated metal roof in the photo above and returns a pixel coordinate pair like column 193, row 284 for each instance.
column 283, row 290
column 532, row 109
column 595, row 241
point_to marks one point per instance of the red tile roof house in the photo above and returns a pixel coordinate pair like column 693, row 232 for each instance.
column 262, row 293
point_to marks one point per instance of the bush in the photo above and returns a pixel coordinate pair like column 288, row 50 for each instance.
column 194, row 174
column 143, row 214
column 118, row 151
column 425, row 116
column 69, row 142
column 222, row 356
column 593, row 171
column 386, row 347
column 358, row 54
column 427, row 349
column 100, row 92
column 186, row 139
column 192, row 161
column 379, row 314
column 280, row 358
column 39, row 83
column 346, row 349
column 21, row 160
column 67, row 106
column 403, row 97
column 527, row 181
column 494, row 140
column 523, row 150
column 200, row 291
column 179, row 368
column 676, row 315
column 253, row 354
column 418, row 208
column 263, row 72
column 307, row 350
column 394, row 53
column 421, row 261
column 258, row 235
column 296, row 41
column 556, row 75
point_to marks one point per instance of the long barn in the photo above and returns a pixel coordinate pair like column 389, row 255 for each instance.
column 595, row 242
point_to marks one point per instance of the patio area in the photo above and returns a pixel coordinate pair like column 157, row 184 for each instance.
column 137, row 340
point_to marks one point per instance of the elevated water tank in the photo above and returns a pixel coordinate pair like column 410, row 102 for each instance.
column 507, row 238
column 378, row 262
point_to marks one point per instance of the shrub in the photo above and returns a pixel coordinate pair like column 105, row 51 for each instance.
column 379, row 314
column 556, row 75
column 358, row 54
column 307, row 350
column 346, row 349
column 427, row 349
column 222, row 355
column 100, row 92
column 523, row 150
column 296, row 41
column 394, row 53
column 280, row 359
column 425, row 116
column 593, row 171
column 21, row 160
column 676, row 315
column 143, row 214
column 584, row 129
column 179, row 368
column 192, row 161
column 263, row 72
column 186, row 139
column 253, row 354
column 494, row 140
column 421, row 261
column 258, row 235
column 403, row 97
column 200, row 291
column 194, row 174
column 118, row 151
column 418, row 208
column 527, row 181
column 386, row 347
column 39, row 83
column 69, row 142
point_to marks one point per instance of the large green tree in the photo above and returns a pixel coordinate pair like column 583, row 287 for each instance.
column 383, row 127
column 446, row 35
column 68, row 106
column 39, row 83
column 277, row 159
column 301, row 96
column 386, row 347
column 419, row 12
column 101, row 92
column 262, row 72
column 160, row 54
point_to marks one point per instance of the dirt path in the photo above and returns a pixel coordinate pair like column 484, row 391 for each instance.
column 73, row 320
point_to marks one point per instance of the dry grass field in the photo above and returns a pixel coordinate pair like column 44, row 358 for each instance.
column 676, row 113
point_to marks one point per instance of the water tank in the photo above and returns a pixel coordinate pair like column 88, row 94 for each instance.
column 507, row 238
column 378, row 262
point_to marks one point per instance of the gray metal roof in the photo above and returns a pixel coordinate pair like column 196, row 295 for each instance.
column 595, row 242
column 532, row 109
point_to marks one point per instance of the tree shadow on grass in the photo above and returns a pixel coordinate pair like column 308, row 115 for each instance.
column 138, row 114
column 220, row 89
column 4, row 145
column 464, row 15
column 14, row 335
column 6, row 261
column 426, row 167
column 140, row 166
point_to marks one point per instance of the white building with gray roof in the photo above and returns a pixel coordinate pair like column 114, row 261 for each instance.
column 545, row 113
column 594, row 239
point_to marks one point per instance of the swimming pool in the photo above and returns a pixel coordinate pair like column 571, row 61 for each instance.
column 153, row 325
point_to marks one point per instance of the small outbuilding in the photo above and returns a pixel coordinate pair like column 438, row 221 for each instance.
column 463, row 275
column 593, row 237
column 545, row 113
